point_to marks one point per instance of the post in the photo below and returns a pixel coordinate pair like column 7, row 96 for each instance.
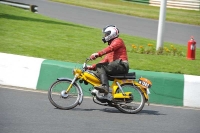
column 161, row 24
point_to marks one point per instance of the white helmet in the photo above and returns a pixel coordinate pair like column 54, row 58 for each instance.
column 110, row 32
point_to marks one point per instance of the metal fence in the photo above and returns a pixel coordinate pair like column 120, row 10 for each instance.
column 183, row 11
column 180, row 4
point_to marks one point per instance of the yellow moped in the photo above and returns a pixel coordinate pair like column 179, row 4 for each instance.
column 126, row 93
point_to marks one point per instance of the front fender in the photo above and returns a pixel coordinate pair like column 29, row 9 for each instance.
column 77, row 85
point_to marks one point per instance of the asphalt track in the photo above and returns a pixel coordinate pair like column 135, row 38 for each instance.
column 147, row 28
column 29, row 111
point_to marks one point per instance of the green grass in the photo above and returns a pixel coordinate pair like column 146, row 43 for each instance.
column 29, row 34
column 140, row 10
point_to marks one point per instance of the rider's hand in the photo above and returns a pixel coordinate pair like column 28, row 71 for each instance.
column 93, row 67
column 94, row 56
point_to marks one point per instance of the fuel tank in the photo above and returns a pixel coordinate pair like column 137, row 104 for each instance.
column 91, row 77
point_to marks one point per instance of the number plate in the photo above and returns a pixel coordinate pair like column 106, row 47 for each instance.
column 145, row 83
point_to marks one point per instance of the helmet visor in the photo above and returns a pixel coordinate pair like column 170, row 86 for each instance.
column 105, row 34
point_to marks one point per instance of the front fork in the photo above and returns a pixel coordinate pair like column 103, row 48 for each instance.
column 70, row 86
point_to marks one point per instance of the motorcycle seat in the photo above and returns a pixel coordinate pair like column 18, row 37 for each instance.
column 131, row 75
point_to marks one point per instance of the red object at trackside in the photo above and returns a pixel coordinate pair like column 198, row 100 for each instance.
column 191, row 49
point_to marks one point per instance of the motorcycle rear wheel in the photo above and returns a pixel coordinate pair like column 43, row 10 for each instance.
column 137, row 103
column 66, row 101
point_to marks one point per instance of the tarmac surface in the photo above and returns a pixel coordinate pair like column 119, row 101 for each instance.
column 24, row 110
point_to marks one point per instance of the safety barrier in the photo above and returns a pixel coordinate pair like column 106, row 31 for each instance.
column 37, row 73
column 180, row 4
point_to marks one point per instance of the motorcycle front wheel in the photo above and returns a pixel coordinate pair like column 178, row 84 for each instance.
column 133, row 105
column 62, row 100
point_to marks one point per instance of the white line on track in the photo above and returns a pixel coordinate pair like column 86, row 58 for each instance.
column 45, row 92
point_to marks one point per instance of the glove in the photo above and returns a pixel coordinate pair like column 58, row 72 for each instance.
column 93, row 67
column 94, row 56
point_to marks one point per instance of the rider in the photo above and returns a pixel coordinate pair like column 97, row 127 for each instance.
column 115, row 60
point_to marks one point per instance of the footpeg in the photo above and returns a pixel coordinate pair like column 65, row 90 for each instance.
column 94, row 92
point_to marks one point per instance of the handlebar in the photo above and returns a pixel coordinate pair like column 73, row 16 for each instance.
column 85, row 63
column 88, row 59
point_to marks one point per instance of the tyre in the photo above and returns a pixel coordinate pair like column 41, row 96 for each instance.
column 135, row 104
column 63, row 101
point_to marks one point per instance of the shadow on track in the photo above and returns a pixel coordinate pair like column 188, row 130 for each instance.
column 113, row 110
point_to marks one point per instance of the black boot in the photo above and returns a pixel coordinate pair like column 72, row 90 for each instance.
column 104, row 87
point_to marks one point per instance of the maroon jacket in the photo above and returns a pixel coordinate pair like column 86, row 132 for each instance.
column 115, row 50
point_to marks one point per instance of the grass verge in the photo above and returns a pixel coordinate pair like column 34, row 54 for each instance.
column 29, row 34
